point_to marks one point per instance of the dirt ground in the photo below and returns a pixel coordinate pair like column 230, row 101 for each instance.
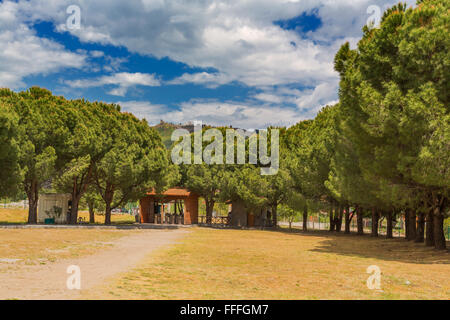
column 30, row 279
column 199, row 263
column 250, row 264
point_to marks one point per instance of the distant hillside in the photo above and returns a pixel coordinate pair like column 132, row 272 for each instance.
column 165, row 129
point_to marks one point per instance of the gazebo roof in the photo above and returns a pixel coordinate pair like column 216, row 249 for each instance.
column 174, row 192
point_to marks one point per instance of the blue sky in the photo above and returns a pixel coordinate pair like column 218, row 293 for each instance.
column 247, row 63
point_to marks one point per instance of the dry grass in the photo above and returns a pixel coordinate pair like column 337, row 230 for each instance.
column 14, row 216
column 235, row 264
column 39, row 246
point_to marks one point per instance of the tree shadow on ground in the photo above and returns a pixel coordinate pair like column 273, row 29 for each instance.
column 353, row 245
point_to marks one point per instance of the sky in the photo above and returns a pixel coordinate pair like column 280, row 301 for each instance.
column 247, row 63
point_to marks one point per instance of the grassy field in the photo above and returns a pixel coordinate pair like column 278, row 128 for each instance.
column 40, row 246
column 14, row 216
column 237, row 264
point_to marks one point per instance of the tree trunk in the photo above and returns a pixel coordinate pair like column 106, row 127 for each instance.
column 429, row 239
column 109, row 196
column 406, row 224
column 91, row 213
column 33, row 197
column 389, row 225
column 74, row 209
column 77, row 192
column 332, row 220
column 209, row 207
column 108, row 213
column 275, row 216
column 375, row 217
column 439, row 236
column 339, row 218
column 411, row 225
column 359, row 218
column 305, row 218
column 347, row 220
column 420, row 233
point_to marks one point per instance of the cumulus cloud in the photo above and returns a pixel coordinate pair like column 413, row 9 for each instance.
column 236, row 39
column 307, row 101
column 24, row 54
column 121, row 81
column 213, row 112
column 209, row 80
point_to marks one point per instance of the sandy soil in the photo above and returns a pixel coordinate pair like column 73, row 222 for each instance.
column 49, row 281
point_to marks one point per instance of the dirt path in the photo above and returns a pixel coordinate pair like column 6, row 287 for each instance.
column 49, row 281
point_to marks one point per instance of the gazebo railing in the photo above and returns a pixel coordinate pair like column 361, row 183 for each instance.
column 214, row 221
column 169, row 218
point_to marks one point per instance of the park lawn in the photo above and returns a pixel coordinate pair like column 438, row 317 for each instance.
column 238, row 264
column 20, row 216
column 40, row 246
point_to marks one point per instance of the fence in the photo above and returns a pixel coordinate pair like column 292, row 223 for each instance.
column 23, row 204
column 218, row 221
column 323, row 223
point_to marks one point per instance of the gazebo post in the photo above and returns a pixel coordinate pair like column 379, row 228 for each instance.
column 190, row 208
column 144, row 209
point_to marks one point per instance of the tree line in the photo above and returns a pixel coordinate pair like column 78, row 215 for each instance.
column 384, row 149
column 74, row 146
column 382, row 152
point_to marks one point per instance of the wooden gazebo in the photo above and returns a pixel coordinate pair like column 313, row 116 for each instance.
column 152, row 212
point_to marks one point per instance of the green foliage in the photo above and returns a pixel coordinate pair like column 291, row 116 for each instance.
column 310, row 156
column 37, row 139
column 135, row 162
column 10, row 174
column 206, row 181
column 288, row 214
column 69, row 145
column 394, row 101
column 245, row 183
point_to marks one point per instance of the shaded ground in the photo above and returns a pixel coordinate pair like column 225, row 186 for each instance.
column 238, row 264
column 35, row 262
column 397, row 249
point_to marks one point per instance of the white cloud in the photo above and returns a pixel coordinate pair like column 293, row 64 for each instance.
column 270, row 98
column 145, row 110
column 307, row 101
column 246, row 116
column 209, row 80
column 311, row 101
column 346, row 18
column 96, row 53
column 24, row 54
column 237, row 39
column 122, row 82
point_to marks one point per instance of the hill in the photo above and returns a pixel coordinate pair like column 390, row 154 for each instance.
column 165, row 129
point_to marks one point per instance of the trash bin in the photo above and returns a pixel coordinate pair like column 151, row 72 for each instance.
column 49, row 221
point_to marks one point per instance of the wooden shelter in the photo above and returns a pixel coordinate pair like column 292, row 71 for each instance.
column 152, row 207
column 242, row 218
